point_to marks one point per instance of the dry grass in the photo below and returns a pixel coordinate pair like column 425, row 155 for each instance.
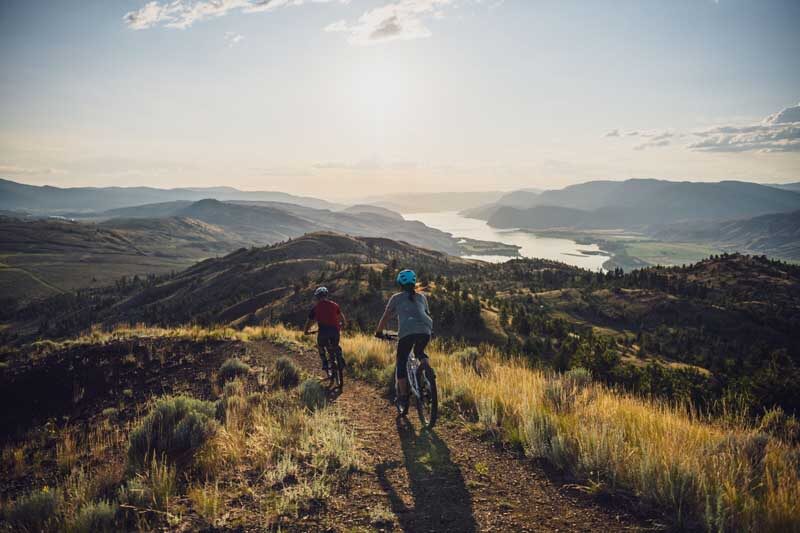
column 718, row 475
column 705, row 473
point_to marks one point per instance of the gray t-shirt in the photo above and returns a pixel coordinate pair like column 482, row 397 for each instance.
column 412, row 316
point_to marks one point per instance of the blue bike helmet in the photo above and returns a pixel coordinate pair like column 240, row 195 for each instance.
column 407, row 277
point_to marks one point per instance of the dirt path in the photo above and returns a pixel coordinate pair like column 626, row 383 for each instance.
column 444, row 480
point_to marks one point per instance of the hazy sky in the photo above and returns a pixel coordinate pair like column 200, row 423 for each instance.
column 338, row 97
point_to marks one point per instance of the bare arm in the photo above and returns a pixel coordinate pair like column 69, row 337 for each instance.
column 308, row 325
column 342, row 320
column 382, row 323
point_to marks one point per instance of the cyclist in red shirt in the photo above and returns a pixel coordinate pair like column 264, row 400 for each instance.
column 330, row 319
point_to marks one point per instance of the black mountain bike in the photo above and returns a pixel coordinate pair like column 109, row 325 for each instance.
column 335, row 370
column 421, row 384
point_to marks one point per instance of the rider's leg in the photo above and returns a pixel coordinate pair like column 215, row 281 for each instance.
column 321, row 347
column 404, row 346
column 420, row 342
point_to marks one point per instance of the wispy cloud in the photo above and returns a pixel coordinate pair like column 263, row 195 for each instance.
column 400, row 20
column 394, row 20
column 232, row 38
column 14, row 170
column 779, row 132
column 649, row 138
column 181, row 14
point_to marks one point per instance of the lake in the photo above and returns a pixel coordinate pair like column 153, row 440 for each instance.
column 563, row 250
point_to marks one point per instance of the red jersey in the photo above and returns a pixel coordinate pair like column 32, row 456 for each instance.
column 326, row 313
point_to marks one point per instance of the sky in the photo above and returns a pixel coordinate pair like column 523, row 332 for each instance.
column 346, row 98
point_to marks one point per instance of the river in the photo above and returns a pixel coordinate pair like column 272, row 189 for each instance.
column 563, row 250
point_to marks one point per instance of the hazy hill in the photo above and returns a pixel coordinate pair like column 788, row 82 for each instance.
column 374, row 210
column 637, row 203
column 49, row 255
column 47, row 199
column 269, row 222
column 787, row 186
column 777, row 235
column 433, row 202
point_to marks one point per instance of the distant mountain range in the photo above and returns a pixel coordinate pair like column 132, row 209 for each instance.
column 55, row 200
column 433, row 202
column 46, row 255
column 638, row 203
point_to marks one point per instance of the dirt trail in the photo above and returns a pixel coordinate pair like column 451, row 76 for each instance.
column 444, row 480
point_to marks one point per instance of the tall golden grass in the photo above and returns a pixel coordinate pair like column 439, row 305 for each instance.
column 703, row 473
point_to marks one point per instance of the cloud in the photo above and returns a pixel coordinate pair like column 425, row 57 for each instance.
column 779, row 132
column 654, row 143
column 181, row 14
column 650, row 138
column 13, row 170
column 399, row 20
column 232, row 38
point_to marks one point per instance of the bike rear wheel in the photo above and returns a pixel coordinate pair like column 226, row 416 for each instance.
column 338, row 371
column 428, row 399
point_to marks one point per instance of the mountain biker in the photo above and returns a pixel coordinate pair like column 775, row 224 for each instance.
column 330, row 319
column 415, row 326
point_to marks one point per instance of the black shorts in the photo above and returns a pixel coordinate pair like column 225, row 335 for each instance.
column 416, row 342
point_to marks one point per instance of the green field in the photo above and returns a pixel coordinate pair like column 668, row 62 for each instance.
column 668, row 253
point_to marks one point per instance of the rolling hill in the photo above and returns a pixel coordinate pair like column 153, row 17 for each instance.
column 39, row 258
column 55, row 200
column 44, row 256
column 776, row 235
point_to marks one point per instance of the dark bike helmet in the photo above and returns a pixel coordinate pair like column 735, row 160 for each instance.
column 321, row 292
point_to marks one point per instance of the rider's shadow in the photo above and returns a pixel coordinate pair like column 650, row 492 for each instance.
column 441, row 499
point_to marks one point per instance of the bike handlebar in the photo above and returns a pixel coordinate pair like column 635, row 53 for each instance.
column 387, row 336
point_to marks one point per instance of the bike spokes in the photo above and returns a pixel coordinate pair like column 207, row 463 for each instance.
column 427, row 401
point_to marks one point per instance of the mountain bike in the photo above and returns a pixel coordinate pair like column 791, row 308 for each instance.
column 335, row 370
column 421, row 384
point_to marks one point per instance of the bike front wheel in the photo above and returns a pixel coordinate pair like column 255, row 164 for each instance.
column 428, row 399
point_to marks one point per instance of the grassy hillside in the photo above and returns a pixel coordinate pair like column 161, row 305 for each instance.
column 701, row 472
column 40, row 258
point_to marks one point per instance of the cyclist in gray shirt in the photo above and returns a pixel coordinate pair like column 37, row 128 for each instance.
column 415, row 326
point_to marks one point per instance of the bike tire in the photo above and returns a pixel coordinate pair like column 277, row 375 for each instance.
column 428, row 401
column 338, row 372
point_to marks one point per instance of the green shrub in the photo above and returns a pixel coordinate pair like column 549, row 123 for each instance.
column 462, row 401
column 780, row 425
column 285, row 373
column 232, row 369
column 312, row 394
column 175, row 428
column 469, row 358
column 578, row 377
column 95, row 517
column 36, row 511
